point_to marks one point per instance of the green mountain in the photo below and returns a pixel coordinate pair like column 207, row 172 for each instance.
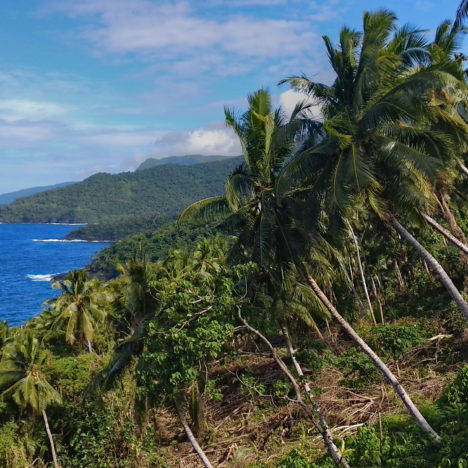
column 158, row 191
column 10, row 197
column 188, row 160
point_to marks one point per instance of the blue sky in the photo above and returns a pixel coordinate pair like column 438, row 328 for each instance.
column 100, row 85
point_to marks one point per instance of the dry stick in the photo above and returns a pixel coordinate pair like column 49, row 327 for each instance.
column 376, row 294
column 191, row 437
column 51, row 439
column 414, row 411
column 449, row 236
column 361, row 271
column 435, row 266
column 333, row 450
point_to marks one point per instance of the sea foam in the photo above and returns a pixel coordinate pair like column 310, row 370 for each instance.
column 38, row 278
column 69, row 240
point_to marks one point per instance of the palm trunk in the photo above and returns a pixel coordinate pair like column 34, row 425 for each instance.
column 464, row 168
column 401, row 392
column 321, row 426
column 337, row 457
column 292, row 355
column 51, row 439
column 361, row 271
column 451, row 220
column 434, row 265
column 191, row 437
column 458, row 243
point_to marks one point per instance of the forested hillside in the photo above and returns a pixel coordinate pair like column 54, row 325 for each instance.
column 7, row 198
column 187, row 160
column 161, row 190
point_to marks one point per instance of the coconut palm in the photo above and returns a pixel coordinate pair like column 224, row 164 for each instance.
column 79, row 308
column 261, row 203
column 22, row 380
column 386, row 141
column 462, row 13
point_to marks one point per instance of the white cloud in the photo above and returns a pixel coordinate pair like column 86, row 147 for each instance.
column 17, row 109
column 208, row 141
column 119, row 138
column 146, row 28
column 24, row 133
column 289, row 99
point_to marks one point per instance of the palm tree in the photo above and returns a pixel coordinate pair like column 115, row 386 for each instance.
column 386, row 141
column 260, row 201
column 22, row 379
column 462, row 13
column 79, row 307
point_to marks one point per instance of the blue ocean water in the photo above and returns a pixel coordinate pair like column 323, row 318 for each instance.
column 29, row 254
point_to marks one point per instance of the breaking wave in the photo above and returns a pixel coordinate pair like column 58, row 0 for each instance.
column 40, row 278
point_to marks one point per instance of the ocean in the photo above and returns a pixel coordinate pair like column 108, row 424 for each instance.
column 29, row 255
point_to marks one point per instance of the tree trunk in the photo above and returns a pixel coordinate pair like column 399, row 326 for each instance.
column 401, row 392
column 464, row 168
column 332, row 449
column 89, row 346
column 191, row 437
column 51, row 439
column 434, row 265
column 363, row 278
column 321, row 427
column 458, row 243
column 451, row 220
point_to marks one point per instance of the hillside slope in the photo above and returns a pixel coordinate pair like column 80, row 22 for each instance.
column 10, row 197
column 188, row 160
column 162, row 190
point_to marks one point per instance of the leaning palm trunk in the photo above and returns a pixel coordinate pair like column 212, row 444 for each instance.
column 434, row 264
column 51, row 439
column 388, row 374
column 458, row 243
column 361, row 272
column 452, row 222
column 191, row 437
column 322, row 426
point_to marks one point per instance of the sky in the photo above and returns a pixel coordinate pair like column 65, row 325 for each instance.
column 100, row 85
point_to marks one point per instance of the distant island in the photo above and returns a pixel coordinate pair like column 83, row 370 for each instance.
column 116, row 205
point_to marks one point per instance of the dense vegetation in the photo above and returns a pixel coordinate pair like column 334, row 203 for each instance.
column 188, row 160
column 159, row 191
column 155, row 245
column 318, row 319
column 120, row 227
column 7, row 198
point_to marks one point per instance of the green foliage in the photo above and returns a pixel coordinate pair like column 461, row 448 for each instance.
column 159, row 191
column 394, row 340
column 155, row 246
column 358, row 369
column 13, row 450
column 456, row 394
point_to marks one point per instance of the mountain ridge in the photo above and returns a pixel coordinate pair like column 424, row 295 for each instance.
column 185, row 160
column 10, row 197
column 162, row 190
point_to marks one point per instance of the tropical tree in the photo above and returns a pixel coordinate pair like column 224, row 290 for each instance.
column 79, row 308
column 386, row 141
column 462, row 13
column 22, row 379
column 263, row 205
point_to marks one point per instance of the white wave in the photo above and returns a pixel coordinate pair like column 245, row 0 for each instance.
column 69, row 240
column 47, row 278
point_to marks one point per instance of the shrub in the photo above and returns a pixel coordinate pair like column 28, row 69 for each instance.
column 394, row 340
